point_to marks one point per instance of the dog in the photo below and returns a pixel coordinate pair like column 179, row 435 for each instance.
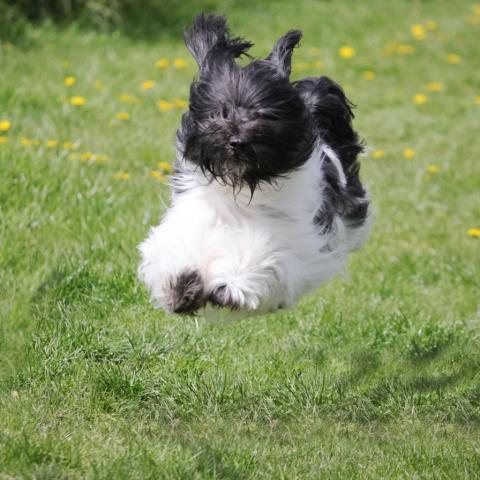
column 266, row 196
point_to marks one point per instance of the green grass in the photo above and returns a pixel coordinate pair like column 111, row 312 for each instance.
column 374, row 376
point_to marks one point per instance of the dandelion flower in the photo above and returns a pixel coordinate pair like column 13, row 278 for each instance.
column 51, row 143
column 158, row 175
column 301, row 66
column 476, row 9
column 164, row 105
column 179, row 103
column 69, row 145
column 313, row 51
column 86, row 156
column 28, row 142
column 100, row 158
column 346, row 52
column 432, row 168
column 368, row 75
column 126, row 98
column 5, row 125
column 78, row 101
column 409, row 153
column 405, row 49
column 165, row 166
column 148, row 84
column 418, row 32
column 420, row 99
column 121, row 176
column 179, row 63
column 3, row 139
column 431, row 25
column 69, row 81
column 473, row 232
column 162, row 63
column 477, row 99
column 122, row 116
column 435, row 86
column 453, row 58
column 376, row 154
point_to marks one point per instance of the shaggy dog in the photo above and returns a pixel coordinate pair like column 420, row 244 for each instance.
column 266, row 196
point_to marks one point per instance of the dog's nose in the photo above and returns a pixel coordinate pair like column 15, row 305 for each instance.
column 237, row 143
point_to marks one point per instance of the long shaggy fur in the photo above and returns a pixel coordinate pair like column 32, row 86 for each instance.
column 267, row 200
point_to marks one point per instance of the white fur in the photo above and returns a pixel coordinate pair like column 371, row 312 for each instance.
column 266, row 250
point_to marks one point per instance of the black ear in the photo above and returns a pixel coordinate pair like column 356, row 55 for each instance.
column 281, row 55
column 209, row 42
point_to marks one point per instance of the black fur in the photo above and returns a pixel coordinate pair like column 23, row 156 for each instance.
column 249, row 125
column 187, row 294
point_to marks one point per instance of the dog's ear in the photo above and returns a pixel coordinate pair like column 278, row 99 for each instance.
column 209, row 42
column 281, row 55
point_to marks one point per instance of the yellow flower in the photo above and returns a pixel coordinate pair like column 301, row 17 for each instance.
column 51, row 143
column 28, row 142
column 148, row 84
column 405, row 49
column 122, row 115
column 179, row 103
column 164, row 106
column 162, row 63
column 473, row 20
column 158, row 175
column 313, row 51
column 121, row 176
column 69, row 145
column 431, row 25
column 409, row 153
column 378, row 154
column 100, row 158
column 300, row 66
column 98, row 85
column 179, row 63
column 473, row 232
column 78, row 101
column 420, row 99
column 435, row 86
column 477, row 99
column 346, row 52
column 318, row 64
column 126, row 98
column 70, row 81
column 453, row 58
column 368, row 75
column 432, row 168
column 86, row 156
column 5, row 125
column 476, row 9
column 165, row 166
column 418, row 32
column 3, row 139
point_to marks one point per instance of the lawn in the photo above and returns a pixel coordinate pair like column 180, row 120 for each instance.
column 376, row 375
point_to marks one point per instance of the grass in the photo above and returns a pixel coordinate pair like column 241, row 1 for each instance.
column 374, row 376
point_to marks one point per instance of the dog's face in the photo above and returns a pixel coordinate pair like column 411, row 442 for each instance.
column 245, row 125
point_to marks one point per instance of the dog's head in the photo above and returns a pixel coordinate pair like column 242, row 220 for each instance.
column 245, row 125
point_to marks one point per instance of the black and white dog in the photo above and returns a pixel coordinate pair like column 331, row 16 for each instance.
column 267, row 200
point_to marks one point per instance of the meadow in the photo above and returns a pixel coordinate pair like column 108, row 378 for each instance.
column 376, row 375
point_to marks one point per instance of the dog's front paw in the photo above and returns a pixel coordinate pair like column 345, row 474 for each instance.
column 185, row 293
column 233, row 297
